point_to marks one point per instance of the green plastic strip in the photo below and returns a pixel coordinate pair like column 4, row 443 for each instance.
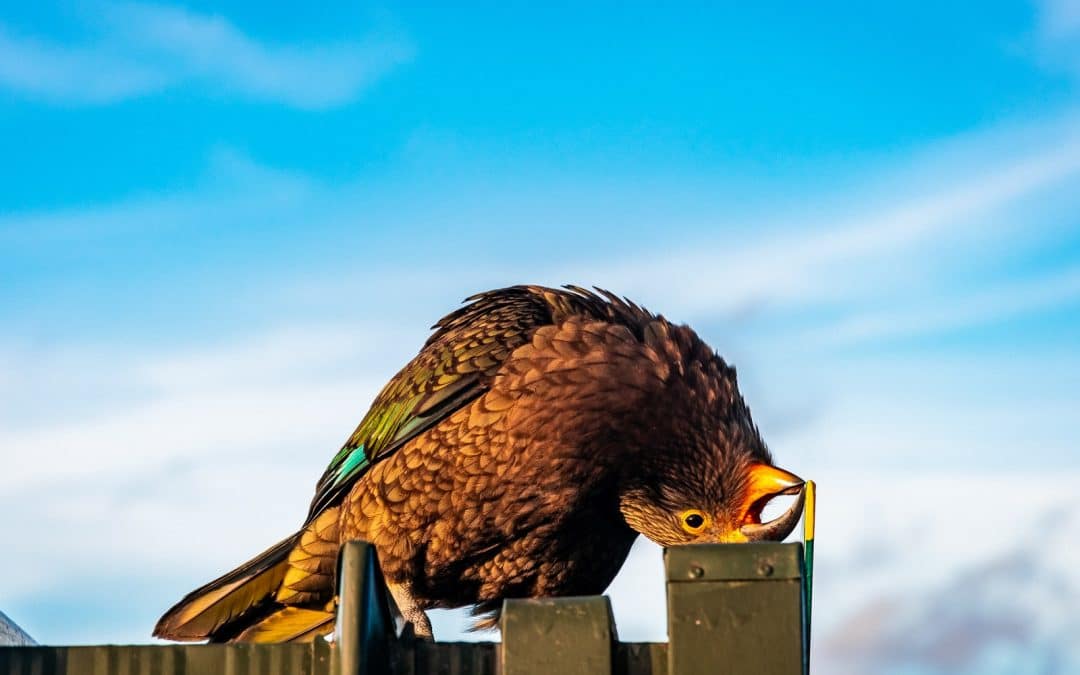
column 808, row 552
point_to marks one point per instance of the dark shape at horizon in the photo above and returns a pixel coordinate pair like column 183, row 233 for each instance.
column 13, row 636
column 519, row 454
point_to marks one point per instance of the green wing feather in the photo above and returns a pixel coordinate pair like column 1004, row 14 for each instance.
column 454, row 367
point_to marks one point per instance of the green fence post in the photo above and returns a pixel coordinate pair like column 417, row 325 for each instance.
column 557, row 636
column 735, row 609
column 364, row 626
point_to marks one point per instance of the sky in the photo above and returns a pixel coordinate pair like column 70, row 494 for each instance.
column 224, row 226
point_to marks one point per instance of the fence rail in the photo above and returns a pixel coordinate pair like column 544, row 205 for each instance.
column 731, row 608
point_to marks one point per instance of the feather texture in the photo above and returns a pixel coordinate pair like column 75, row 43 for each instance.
column 290, row 624
column 522, row 450
column 211, row 608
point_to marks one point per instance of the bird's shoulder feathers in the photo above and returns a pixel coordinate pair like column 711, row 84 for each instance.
column 456, row 365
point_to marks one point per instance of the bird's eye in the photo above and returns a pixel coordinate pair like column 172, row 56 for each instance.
column 694, row 521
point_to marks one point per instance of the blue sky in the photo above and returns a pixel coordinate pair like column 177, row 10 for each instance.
column 224, row 226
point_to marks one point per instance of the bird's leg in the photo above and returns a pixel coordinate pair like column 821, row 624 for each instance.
column 411, row 611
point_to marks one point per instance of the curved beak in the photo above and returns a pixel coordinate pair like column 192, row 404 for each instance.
column 766, row 483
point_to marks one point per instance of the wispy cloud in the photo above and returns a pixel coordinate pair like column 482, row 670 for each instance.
column 805, row 262
column 140, row 49
column 77, row 74
column 1057, row 34
column 266, row 390
column 178, row 436
column 234, row 188
column 975, row 308
column 242, row 422
column 1059, row 18
column 865, row 263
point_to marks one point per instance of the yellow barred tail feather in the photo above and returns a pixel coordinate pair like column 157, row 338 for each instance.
column 290, row 624
column 211, row 611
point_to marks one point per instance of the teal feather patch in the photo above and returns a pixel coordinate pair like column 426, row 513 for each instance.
column 356, row 460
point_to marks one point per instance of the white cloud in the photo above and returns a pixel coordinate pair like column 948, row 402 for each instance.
column 868, row 257
column 1059, row 19
column 1057, row 35
column 214, row 458
column 145, row 48
column 201, row 456
column 999, row 302
column 69, row 73
column 235, row 189
column 863, row 250
column 263, row 393
column 884, row 565
column 948, row 573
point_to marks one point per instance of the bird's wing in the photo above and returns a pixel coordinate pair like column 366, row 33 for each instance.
column 454, row 367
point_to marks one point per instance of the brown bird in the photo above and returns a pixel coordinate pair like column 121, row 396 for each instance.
column 519, row 454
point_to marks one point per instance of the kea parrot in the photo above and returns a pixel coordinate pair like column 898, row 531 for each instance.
column 536, row 434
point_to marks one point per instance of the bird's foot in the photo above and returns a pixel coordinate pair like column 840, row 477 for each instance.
column 416, row 619
column 418, row 628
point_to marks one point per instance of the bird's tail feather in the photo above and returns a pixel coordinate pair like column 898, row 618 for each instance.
column 486, row 615
column 216, row 609
column 290, row 624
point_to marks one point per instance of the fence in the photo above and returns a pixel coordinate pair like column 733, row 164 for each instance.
column 731, row 608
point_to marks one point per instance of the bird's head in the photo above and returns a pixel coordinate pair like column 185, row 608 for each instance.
column 721, row 509
column 703, row 474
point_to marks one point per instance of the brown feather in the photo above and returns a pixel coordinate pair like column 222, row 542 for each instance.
column 519, row 454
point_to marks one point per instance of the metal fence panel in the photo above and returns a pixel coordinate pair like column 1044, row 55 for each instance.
column 731, row 609
column 735, row 609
